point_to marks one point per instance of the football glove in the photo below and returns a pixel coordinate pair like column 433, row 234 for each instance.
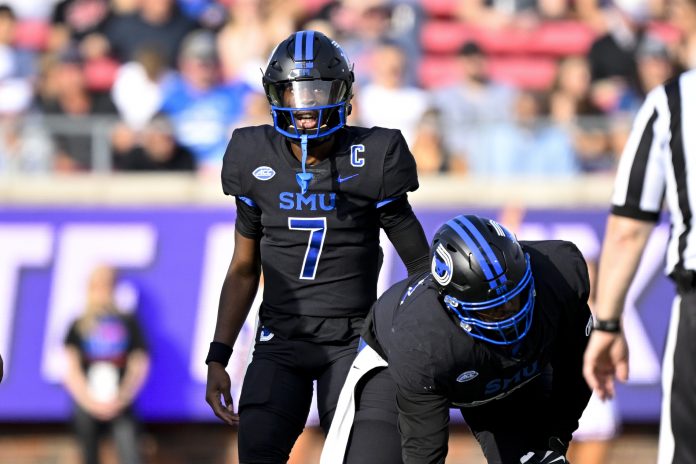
column 554, row 455
column 543, row 457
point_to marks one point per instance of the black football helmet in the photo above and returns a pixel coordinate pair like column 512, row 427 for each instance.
column 309, row 83
column 484, row 277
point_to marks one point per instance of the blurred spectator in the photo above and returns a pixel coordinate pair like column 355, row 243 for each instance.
column 531, row 145
column 386, row 101
column 473, row 102
column 157, row 151
column 73, row 20
column 257, row 110
column 429, row 148
column 362, row 25
column 137, row 89
column 25, row 146
column 64, row 93
column 16, row 68
column 496, row 14
column 259, row 25
column 157, row 23
column 571, row 107
column 107, row 364
column 210, row 14
column 683, row 16
column 612, row 55
column 655, row 64
column 202, row 108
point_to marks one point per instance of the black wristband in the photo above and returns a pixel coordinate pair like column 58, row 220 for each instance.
column 607, row 325
column 219, row 352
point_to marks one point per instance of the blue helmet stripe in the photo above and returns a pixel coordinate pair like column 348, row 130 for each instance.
column 493, row 259
column 475, row 250
column 298, row 46
column 309, row 46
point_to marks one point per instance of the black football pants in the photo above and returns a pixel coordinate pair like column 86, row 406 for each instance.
column 505, row 428
column 277, row 394
column 678, row 419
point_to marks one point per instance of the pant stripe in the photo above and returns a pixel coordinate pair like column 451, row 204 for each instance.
column 665, row 450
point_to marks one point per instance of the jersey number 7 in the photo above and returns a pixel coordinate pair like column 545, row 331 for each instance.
column 317, row 232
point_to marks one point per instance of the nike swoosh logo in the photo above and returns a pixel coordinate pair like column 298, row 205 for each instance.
column 558, row 459
column 343, row 179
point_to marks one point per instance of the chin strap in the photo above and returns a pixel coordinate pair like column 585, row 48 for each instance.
column 304, row 177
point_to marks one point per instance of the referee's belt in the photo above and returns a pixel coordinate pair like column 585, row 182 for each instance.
column 685, row 279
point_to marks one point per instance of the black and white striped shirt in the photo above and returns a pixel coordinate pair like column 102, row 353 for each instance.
column 658, row 162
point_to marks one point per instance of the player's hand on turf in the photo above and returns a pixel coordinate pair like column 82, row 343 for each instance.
column 217, row 389
column 543, row 457
column 606, row 358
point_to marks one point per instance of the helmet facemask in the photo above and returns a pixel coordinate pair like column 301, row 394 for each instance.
column 315, row 108
column 502, row 320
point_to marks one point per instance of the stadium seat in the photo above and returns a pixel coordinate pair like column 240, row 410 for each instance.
column 437, row 71
column 443, row 36
column 556, row 38
column 32, row 34
column 532, row 73
column 665, row 31
column 440, row 8
column 561, row 38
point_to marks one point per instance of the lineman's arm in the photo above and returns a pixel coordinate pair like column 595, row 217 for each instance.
column 424, row 427
column 606, row 356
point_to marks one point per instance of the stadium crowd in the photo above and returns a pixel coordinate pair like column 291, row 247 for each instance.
column 478, row 87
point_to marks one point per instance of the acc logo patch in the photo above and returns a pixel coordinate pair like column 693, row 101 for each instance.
column 466, row 376
column 263, row 173
column 441, row 266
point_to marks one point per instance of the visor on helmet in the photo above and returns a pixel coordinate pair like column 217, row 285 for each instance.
column 315, row 108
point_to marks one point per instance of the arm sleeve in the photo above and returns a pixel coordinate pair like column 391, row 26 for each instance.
column 640, row 178
column 231, row 167
column 248, row 222
column 570, row 393
column 399, row 174
column 406, row 234
column 137, row 337
column 72, row 338
column 424, row 427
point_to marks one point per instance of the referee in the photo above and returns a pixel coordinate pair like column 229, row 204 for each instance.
column 658, row 162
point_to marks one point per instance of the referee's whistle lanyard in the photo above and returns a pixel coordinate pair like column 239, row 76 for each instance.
column 303, row 178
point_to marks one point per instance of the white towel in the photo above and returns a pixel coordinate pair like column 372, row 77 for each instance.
column 336, row 441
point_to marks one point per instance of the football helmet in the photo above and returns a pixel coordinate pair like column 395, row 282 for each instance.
column 484, row 277
column 308, row 82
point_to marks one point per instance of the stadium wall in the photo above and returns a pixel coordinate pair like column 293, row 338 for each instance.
column 171, row 237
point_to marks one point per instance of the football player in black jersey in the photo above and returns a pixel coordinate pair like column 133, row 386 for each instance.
column 497, row 329
column 311, row 195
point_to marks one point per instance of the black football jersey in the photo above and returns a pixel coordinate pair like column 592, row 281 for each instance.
column 319, row 249
column 428, row 352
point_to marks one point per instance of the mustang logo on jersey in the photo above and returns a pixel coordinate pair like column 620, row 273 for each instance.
column 307, row 201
